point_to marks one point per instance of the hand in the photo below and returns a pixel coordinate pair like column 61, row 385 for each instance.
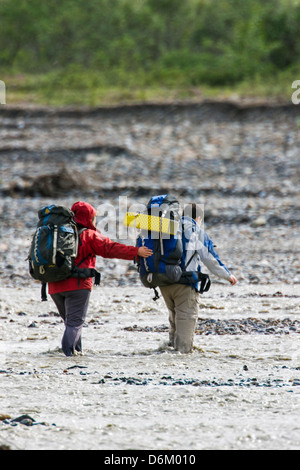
column 144, row 252
column 233, row 280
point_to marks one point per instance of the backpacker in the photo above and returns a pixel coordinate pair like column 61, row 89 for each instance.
column 192, row 278
column 54, row 248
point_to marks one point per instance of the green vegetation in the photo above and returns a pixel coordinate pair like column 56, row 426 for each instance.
column 104, row 51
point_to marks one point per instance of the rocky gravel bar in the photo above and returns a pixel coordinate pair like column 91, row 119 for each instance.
column 240, row 160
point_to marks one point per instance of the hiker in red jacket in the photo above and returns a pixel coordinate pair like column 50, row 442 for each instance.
column 71, row 296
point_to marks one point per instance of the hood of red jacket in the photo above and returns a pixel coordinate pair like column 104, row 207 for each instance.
column 84, row 214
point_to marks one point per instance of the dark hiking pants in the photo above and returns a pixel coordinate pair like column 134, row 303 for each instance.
column 72, row 307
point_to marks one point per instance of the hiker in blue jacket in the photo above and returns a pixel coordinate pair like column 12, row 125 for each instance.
column 182, row 300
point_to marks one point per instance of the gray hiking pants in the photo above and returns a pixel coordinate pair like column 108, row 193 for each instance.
column 182, row 302
column 72, row 307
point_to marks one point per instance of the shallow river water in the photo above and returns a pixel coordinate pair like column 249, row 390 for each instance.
column 129, row 390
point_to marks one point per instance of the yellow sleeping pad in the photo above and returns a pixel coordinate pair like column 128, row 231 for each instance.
column 151, row 222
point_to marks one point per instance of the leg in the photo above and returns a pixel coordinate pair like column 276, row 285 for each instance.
column 59, row 301
column 186, row 306
column 186, row 314
column 76, row 305
column 169, row 301
column 76, row 309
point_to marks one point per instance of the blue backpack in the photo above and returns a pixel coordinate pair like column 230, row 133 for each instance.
column 165, row 266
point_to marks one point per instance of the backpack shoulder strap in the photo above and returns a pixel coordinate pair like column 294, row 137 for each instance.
column 79, row 233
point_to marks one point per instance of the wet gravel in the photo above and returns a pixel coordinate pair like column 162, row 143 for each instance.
column 206, row 326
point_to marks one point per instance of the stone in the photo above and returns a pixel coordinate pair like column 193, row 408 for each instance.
column 260, row 221
column 4, row 416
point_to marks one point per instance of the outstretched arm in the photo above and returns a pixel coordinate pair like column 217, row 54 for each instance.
column 212, row 261
column 105, row 247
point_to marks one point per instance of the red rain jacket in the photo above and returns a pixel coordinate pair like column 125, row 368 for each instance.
column 93, row 244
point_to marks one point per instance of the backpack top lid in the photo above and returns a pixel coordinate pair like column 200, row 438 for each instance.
column 163, row 216
column 164, row 201
column 55, row 215
column 165, row 206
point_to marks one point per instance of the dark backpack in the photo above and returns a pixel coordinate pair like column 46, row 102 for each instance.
column 54, row 248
